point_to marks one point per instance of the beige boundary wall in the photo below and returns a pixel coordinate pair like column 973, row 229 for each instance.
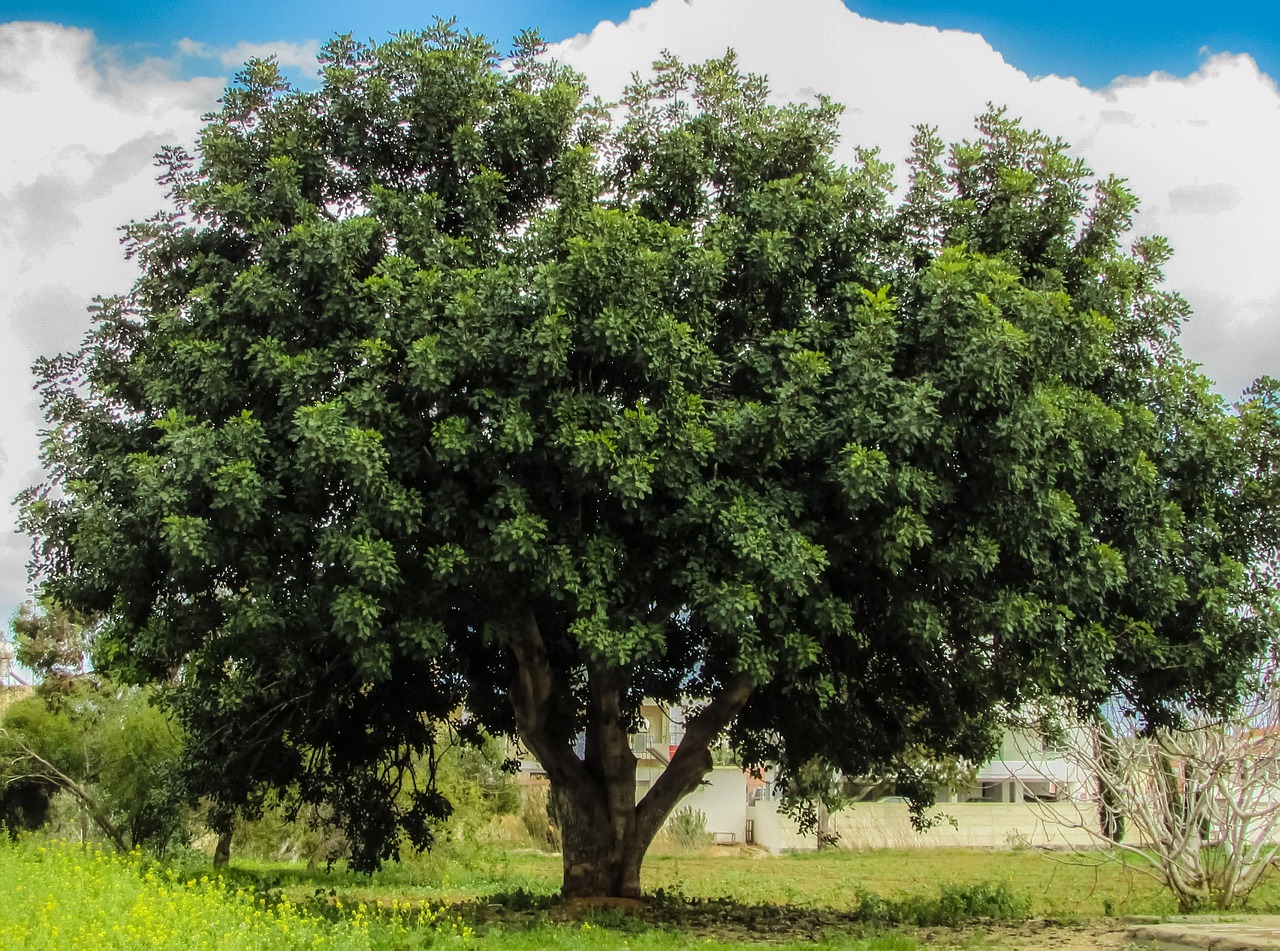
column 886, row 825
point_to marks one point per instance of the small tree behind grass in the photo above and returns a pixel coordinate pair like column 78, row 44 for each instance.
column 103, row 745
column 477, row 778
column 110, row 751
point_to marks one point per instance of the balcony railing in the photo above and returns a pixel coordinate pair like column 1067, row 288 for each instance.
column 655, row 745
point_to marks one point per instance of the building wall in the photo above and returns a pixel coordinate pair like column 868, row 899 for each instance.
column 723, row 797
column 886, row 825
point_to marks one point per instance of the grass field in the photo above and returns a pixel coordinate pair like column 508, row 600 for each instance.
column 464, row 895
column 1054, row 884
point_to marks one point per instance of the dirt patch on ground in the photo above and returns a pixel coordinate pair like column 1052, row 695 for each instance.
column 1033, row 935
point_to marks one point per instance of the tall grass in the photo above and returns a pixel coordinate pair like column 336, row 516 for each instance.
column 687, row 829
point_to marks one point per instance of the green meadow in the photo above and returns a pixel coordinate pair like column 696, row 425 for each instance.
column 470, row 895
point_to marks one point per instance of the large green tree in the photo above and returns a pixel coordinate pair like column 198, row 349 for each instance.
column 443, row 388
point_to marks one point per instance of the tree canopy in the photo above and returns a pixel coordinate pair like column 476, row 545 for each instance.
column 445, row 392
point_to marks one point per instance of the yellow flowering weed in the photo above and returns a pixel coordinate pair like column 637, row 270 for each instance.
column 61, row 896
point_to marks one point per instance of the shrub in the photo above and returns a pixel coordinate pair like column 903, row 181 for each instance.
column 535, row 814
column 687, row 828
column 955, row 905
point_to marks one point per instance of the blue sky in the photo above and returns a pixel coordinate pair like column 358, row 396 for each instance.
column 96, row 89
column 1092, row 40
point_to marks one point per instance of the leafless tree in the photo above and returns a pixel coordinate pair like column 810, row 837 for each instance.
column 1198, row 805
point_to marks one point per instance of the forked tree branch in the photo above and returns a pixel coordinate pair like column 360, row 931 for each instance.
column 692, row 759
column 60, row 779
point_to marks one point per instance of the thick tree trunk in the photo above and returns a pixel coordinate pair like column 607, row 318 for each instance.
column 222, row 851
column 597, row 863
column 604, row 832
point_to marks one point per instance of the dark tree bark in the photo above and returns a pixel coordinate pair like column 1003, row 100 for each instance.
column 1111, row 818
column 222, row 851
column 604, row 832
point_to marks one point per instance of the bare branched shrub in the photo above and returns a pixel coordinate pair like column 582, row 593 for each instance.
column 1199, row 805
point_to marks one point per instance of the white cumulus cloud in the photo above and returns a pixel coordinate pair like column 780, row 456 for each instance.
column 75, row 164
column 296, row 55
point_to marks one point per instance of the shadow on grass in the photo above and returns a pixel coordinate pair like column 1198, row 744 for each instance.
column 723, row 919
column 493, row 902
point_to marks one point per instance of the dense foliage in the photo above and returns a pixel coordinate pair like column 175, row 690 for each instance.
column 104, row 745
column 110, row 750
column 442, row 389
